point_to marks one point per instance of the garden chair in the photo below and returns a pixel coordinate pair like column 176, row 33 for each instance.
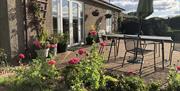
column 175, row 46
column 133, row 46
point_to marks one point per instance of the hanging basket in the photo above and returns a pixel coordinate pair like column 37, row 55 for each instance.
column 95, row 13
column 108, row 15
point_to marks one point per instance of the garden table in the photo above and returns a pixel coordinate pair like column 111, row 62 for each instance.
column 160, row 39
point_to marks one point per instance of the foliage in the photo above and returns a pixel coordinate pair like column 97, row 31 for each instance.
column 131, row 84
column 53, row 39
column 63, row 38
column 86, row 73
column 3, row 58
column 174, row 81
column 154, row 86
column 38, row 76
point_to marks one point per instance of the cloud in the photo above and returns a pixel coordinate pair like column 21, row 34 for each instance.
column 162, row 8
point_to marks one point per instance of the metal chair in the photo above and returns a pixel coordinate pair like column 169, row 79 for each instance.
column 133, row 46
column 175, row 46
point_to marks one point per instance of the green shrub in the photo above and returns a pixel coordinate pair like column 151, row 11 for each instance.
column 39, row 76
column 86, row 73
column 173, row 81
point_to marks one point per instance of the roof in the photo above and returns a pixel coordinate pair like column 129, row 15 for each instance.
column 109, row 5
column 104, row 3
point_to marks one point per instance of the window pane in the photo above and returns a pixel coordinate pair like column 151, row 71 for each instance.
column 54, row 14
column 65, row 11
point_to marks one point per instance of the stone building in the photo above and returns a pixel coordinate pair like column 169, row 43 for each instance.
column 72, row 16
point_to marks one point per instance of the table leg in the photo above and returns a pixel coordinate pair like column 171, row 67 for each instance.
column 162, row 42
column 110, row 50
column 118, row 47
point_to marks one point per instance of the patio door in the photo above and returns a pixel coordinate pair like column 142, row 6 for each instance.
column 76, row 19
column 68, row 18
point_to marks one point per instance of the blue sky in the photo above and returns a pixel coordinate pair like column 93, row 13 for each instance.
column 162, row 8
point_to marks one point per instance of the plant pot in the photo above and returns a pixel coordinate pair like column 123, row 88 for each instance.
column 42, row 52
column 89, row 41
column 95, row 13
column 108, row 15
column 54, row 50
column 61, row 47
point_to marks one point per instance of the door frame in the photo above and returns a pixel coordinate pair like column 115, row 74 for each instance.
column 80, row 26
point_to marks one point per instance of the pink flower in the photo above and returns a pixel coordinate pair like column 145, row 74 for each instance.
column 103, row 44
column 21, row 56
column 37, row 44
column 93, row 33
column 51, row 62
column 178, row 68
column 53, row 46
column 74, row 61
column 81, row 51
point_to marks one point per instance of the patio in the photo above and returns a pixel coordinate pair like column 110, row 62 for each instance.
column 148, row 73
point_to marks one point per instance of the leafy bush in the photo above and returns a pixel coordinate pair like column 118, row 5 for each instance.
column 174, row 81
column 154, row 86
column 39, row 76
column 84, row 73
column 3, row 58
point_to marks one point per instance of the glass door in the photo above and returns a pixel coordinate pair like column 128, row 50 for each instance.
column 76, row 26
column 68, row 18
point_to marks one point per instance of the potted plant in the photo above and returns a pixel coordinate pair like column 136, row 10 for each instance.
column 108, row 15
column 92, row 36
column 53, row 44
column 95, row 13
column 62, row 42
column 41, row 45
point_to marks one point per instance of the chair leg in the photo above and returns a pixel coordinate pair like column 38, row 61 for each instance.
column 124, row 58
column 100, row 50
column 140, row 70
column 110, row 50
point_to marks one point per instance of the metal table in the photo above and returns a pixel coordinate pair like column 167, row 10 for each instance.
column 160, row 39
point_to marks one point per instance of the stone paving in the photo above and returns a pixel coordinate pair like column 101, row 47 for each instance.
column 148, row 66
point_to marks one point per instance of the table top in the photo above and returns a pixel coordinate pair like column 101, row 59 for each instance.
column 142, row 37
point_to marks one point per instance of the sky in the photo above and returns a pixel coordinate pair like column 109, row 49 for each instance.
column 162, row 8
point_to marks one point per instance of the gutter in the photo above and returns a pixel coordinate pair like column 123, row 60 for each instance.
column 109, row 5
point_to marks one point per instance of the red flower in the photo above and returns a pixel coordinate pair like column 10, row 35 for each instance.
column 81, row 51
column 129, row 73
column 178, row 68
column 103, row 44
column 37, row 44
column 52, row 62
column 21, row 56
column 74, row 61
column 53, row 46
column 93, row 33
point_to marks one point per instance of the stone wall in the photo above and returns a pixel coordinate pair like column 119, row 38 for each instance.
column 90, row 20
column 12, row 28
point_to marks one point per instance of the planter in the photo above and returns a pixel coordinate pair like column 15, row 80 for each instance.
column 89, row 41
column 42, row 52
column 108, row 15
column 61, row 47
column 95, row 13
column 53, row 50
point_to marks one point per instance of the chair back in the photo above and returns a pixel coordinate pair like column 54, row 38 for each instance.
column 176, row 40
column 131, row 42
column 100, row 33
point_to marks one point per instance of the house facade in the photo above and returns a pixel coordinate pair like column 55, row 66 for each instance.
column 74, row 17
